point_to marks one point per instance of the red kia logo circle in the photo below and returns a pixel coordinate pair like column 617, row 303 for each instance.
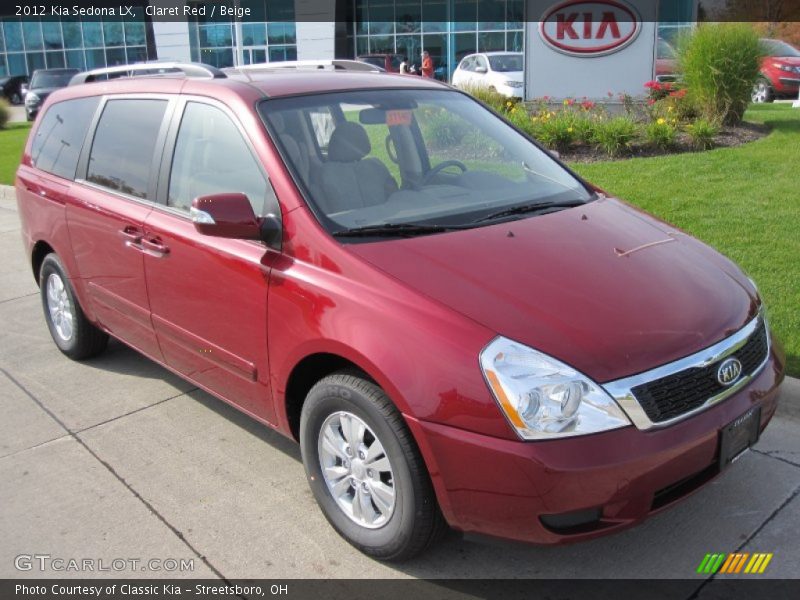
column 580, row 28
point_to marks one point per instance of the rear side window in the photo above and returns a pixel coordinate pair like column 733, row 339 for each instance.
column 60, row 134
column 124, row 145
column 212, row 157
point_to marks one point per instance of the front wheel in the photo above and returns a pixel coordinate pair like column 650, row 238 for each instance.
column 762, row 92
column 365, row 470
column 71, row 331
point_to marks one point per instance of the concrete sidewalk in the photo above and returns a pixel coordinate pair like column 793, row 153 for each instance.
column 117, row 458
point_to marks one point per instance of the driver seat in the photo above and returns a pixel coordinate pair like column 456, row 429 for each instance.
column 350, row 181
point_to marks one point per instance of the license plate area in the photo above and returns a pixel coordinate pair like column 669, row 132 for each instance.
column 738, row 435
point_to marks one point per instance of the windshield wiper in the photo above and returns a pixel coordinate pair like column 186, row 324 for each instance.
column 530, row 208
column 394, row 229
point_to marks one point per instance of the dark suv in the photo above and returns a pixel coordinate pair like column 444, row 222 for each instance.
column 458, row 332
column 43, row 83
column 13, row 88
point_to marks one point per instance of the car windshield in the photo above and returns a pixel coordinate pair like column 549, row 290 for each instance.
column 505, row 63
column 51, row 79
column 435, row 158
column 779, row 48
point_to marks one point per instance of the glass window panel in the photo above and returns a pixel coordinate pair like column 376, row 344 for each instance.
column 216, row 36
column 465, row 15
column 135, row 33
column 515, row 11
column 491, row 42
column 408, row 15
column 35, row 61
column 76, row 60
column 381, row 16
column 32, row 33
column 17, row 64
column 280, row 10
column 290, row 29
column 59, row 138
column 95, row 59
column 112, row 32
column 381, row 44
column 124, row 144
column 514, row 41
column 115, row 56
column 362, row 45
column 410, row 46
column 492, row 15
column 254, row 34
column 361, row 16
column 136, row 54
column 92, row 34
column 212, row 157
column 55, row 60
column 434, row 16
column 217, row 57
column 12, row 31
column 259, row 56
column 73, row 38
column 51, row 30
column 465, row 43
column 276, row 33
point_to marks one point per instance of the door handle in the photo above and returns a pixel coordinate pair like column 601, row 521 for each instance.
column 154, row 247
column 132, row 236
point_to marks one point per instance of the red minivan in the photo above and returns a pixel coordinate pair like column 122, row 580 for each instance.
column 456, row 328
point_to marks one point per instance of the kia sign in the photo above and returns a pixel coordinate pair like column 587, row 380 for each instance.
column 587, row 29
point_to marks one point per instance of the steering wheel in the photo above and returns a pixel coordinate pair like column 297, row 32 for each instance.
column 441, row 167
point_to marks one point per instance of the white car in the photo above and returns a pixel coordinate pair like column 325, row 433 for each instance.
column 499, row 71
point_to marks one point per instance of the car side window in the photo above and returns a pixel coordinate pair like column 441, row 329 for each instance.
column 124, row 145
column 468, row 64
column 60, row 134
column 480, row 62
column 212, row 157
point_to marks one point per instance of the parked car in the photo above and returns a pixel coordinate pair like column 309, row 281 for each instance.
column 666, row 61
column 13, row 88
column 388, row 62
column 487, row 341
column 498, row 71
column 780, row 72
column 43, row 83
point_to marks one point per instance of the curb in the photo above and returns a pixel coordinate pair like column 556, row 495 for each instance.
column 7, row 193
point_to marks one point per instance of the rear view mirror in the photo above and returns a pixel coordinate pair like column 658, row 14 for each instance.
column 230, row 215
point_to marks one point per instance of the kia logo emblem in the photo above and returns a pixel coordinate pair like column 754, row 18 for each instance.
column 580, row 28
column 729, row 371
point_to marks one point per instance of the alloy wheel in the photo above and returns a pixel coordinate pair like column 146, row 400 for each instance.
column 60, row 308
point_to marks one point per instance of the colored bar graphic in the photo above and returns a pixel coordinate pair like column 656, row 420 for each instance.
column 734, row 563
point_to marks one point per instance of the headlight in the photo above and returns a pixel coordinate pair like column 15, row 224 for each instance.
column 783, row 67
column 31, row 98
column 544, row 398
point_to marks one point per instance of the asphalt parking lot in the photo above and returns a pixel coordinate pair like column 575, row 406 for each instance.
column 117, row 458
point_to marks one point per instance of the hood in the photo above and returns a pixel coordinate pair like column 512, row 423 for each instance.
column 786, row 60
column 604, row 287
column 42, row 92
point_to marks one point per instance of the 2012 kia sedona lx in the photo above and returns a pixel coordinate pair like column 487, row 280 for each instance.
column 455, row 327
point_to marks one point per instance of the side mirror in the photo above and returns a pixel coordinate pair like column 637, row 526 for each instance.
column 230, row 215
column 481, row 69
column 23, row 89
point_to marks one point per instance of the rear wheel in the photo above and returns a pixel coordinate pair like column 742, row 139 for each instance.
column 365, row 470
column 762, row 92
column 71, row 331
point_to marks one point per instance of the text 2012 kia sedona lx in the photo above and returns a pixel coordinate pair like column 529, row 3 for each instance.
column 456, row 328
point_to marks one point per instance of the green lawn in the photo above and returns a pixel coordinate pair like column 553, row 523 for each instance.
column 743, row 201
column 12, row 142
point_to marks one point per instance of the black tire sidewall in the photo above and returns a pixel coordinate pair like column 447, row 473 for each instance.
column 52, row 265
column 390, row 539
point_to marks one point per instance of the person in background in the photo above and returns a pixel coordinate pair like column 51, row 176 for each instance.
column 404, row 67
column 427, row 64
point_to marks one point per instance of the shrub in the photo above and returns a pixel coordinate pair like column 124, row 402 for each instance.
column 493, row 99
column 5, row 113
column 702, row 133
column 443, row 129
column 615, row 135
column 720, row 63
column 557, row 132
column 661, row 133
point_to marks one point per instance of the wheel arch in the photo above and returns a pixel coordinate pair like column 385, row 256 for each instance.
column 40, row 250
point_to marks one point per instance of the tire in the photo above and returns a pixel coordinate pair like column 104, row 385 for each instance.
column 74, row 335
column 762, row 92
column 16, row 99
column 414, row 521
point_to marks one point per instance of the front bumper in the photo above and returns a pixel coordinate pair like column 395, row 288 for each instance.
column 505, row 488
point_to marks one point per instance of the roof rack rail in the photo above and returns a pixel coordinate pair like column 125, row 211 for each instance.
column 189, row 69
column 322, row 65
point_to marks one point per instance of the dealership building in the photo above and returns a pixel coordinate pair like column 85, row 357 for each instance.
column 279, row 30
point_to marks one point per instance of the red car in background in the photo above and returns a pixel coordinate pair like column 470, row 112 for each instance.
column 780, row 72
column 666, row 61
column 388, row 62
